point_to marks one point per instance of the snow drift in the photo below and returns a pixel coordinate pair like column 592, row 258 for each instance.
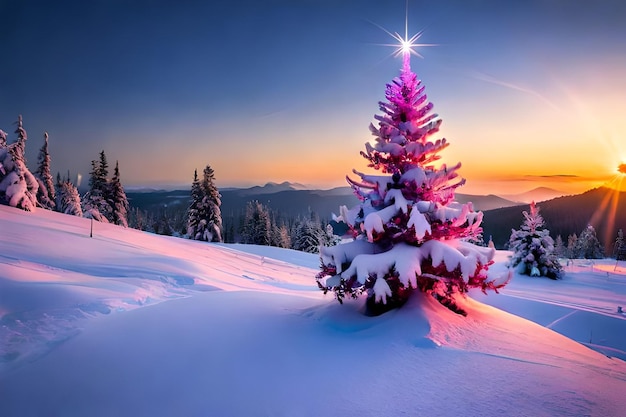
column 128, row 323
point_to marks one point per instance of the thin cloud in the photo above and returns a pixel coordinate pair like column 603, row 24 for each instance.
column 492, row 80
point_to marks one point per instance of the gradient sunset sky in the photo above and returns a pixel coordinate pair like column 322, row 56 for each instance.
column 530, row 92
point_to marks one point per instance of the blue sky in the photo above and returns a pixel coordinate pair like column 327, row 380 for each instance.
column 529, row 91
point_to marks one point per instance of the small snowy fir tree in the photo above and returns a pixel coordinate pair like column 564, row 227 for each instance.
column 281, row 237
column 329, row 237
column 45, row 192
column 18, row 186
column 588, row 246
column 572, row 243
column 533, row 248
column 97, row 201
column 257, row 227
column 619, row 247
column 204, row 217
column 68, row 199
column 408, row 232
column 193, row 218
column 307, row 236
column 559, row 247
column 119, row 199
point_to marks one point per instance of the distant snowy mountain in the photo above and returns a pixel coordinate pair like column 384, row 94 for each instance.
column 289, row 198
column 537, row 195
column 484, row 202
column 271, row 188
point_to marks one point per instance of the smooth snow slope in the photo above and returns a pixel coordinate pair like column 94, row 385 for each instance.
column 228, row 333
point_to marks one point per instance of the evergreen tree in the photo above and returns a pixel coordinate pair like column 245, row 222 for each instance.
column 45, row 193
column 193, row 212
column 572, row 246
column 162, row 225
column 588, row 246
column 408, row 232
column 3, row 139
column 308, row 236
column 18, row 186
column 533, row 248
column 559, row 247
column 120, row 201
column 97, row 201
column 204, row 218
column 257, row 225
column 68, row 199
column 330, row 238
column 282, row 236
column 619, row 247
column 19, row 146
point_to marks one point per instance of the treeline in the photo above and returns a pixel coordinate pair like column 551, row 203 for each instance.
column 197, row 217
column 105, row 201
column 253, row 223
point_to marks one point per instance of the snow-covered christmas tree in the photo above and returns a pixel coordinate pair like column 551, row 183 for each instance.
column 46, row 193
column 619, row 247
column 533, row 248
column 119, row 200
column 68, row 198
column 588, row 246
column 204, row 217
column 408, row 232
column 97, row 201
column 257, row 226
column 18, row 186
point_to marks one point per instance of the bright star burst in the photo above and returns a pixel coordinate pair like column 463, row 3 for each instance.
column 621, row 168
column 405, row 45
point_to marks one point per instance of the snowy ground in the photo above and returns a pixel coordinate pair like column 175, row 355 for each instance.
column 132, row 324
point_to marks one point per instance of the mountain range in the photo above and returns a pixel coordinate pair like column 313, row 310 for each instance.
column 564, row 215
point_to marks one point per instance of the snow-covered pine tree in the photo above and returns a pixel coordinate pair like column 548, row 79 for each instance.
column 257, row 225
column 619, row 247
column 533, row 248
column 97, row 201
column 408, row 232
column 204, row 217
column 281, row 236
column 193, row 211
column 19, row 146
column 3, row 139
column 120, row 201
column 588, row 246
column 330, row 238
column 307, row 236
column 45, row 193
column 572, row 243
column 18, row 186
column 68, row 199
column 559, row 247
